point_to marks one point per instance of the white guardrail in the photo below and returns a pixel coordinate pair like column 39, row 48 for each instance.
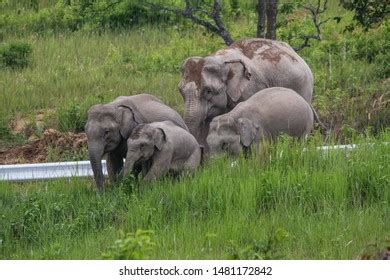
column 55, row 170
column 51, row 170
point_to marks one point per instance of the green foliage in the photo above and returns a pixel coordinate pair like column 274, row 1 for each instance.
column 133, row 246
column 84, row 14
column 375, row 48
column 5, row 132
column 367, row 13
column 71, row 118
column 280, row 203
column 15, row 55
column 129, row 184
column 260, row 250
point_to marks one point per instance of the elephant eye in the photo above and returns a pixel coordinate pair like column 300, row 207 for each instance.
column 208, row 93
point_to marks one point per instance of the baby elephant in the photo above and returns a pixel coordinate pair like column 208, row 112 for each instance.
column 160, row 147
column 265, row 115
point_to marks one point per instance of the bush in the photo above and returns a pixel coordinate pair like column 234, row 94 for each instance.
column 374, row 47
column 72, row 118
column 15, row 55
column 134, row 246
column 96, row 15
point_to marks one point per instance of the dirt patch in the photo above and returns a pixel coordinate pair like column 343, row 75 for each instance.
column 38, row 150
column 249, row 46
column 193, row 71
column 26, row 125
column 372, row 252
column 271, row 51
column 274, row 55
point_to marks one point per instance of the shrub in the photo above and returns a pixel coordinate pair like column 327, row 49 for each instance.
column 72, row 118
column 15, row 55
column 267, row 249
column 134, row 246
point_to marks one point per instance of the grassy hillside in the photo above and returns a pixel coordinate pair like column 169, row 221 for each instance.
column 69, row 71
column 281, row 203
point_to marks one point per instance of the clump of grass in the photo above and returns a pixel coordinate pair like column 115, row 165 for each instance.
column 71, row 118
column 132, row 246
column 15, row 55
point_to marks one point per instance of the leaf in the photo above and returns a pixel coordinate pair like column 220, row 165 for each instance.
column 337, row 19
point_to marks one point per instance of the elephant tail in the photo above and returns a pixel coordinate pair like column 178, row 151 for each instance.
column 317, row 119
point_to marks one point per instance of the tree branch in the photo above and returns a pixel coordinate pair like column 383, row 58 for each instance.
column 216, row 26
column 315, row 12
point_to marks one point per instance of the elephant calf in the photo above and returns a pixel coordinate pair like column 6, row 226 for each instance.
column 265, row 115
column 110, row 125
column 160, row 147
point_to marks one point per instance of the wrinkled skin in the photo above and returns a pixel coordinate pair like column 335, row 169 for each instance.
column 215, row 84
column 160, row 147
column 109, row 125
column 265, row 115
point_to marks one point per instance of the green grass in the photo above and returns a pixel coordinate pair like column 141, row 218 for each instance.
column 85, row 68
column 281, row 203
column 306, row 205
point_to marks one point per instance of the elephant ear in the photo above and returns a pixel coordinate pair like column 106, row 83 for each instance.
column 125, row 118
column 237, row 79
column 137, row 115
column 159, row 137
column 247, row 130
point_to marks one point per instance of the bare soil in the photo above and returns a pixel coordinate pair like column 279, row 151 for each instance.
column 37, row 150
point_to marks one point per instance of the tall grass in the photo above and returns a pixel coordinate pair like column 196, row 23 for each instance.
column 328, row 205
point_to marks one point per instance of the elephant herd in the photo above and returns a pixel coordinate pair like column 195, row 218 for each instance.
column 253, row 90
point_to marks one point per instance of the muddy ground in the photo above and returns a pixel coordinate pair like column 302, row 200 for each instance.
column 39, row 150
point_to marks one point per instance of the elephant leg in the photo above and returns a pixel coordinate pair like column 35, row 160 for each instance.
column 114, row 166
column 146, row 167
column 160, row 166
column 137, row 170
column 247, row 151
column 193, row 161
column 203, row 133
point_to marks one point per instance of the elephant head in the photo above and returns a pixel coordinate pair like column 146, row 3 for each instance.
column 142, row 144
column 108, row 125
column 230, row 135
column 211, row 86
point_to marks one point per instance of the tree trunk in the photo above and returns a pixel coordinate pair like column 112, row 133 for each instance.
column 260, row 18
column 272, row 12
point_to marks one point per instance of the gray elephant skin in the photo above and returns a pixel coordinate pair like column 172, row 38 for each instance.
column 161, row 147
column 109, row 126
column 265, row 115
column 215, row 84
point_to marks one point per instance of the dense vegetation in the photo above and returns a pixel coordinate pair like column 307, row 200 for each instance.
column 60, row 57
column 284, row 203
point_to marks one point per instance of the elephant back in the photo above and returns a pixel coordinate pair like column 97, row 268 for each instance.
column 148, row 108
column 277, row 60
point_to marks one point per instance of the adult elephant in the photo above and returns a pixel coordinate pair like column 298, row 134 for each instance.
column 110, row 125
column 215, row 84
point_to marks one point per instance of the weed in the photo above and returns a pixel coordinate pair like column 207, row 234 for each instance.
column 15, row 55
column 132, row 246
column 260, row 250
column 72, row 118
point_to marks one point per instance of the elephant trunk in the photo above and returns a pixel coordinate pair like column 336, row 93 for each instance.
column 96, row 153
column 194, row 117
column 131, row 159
